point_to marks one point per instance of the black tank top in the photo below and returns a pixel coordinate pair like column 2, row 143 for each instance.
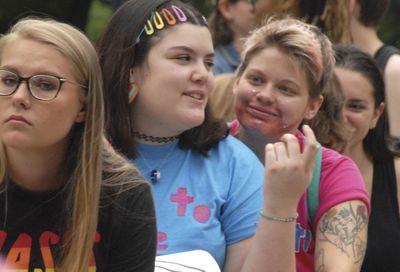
column 383, row 54
column 383, row 248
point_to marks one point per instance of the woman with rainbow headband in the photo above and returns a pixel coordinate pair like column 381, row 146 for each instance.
column 286, row 64
column 68, row 201
column 157, row 58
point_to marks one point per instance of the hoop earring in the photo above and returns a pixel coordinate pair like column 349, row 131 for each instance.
column 133, row 91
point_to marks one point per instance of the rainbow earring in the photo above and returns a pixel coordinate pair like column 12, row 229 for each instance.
column 133, row 91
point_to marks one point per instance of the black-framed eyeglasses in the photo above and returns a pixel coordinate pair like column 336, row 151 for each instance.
column 41, row 87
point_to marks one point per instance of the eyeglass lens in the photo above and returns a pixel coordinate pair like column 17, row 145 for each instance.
column 44, row 87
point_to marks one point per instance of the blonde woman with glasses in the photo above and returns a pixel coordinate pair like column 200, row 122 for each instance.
column 68, row 201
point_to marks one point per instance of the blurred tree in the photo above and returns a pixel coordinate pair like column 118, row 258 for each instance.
column 74, row 12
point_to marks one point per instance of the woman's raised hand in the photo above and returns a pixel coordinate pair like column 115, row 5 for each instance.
column 288, row 171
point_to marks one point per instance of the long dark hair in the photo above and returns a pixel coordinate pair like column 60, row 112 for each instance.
column 350, row 58
column 119, row 52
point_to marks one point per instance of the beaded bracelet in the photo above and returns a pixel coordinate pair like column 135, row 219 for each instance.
column 277, row 218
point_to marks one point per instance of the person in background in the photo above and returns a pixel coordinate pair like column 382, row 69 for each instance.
column 365, row 116
column 365, row 18
column 230, row 22
column 331, row 16
column 286, row 65
column 68, row 201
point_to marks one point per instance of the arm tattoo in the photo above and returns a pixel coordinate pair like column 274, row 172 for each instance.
column 343, row 227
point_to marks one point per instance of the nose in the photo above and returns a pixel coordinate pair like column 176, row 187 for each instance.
column 201, row 73
column 22, row 96
column 345, row 115
column 266, row 94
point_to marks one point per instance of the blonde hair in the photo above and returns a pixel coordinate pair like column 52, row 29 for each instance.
column 303, row 43
column 89, row 155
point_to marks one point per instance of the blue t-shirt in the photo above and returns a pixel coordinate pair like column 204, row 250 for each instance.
column 204, row 203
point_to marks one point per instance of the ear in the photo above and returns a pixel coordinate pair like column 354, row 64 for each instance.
column 378, row 112
column 81, row 117
column 235, row 83
column 132, row 75
column 224, row 8
column 313, row 107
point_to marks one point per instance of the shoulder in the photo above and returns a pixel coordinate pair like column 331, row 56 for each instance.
column 393, row 65
column 333, row 159
column 341, row 180
column 133, row 194
column 236, row 156
column 234, row 147
column 340, row 175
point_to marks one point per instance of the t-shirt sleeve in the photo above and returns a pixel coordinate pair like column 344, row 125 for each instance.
column 340, row 181
column 135, row 238
column 245, row 198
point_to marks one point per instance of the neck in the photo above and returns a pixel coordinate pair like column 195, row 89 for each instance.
column 238, row 44
column 359, row 156
column 255, row 142
column 36, row 171
column 364, row 163
column 365, row 38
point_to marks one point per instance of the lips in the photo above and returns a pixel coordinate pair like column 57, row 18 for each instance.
column 197, row 95
column 262, row 113
column 17, row 118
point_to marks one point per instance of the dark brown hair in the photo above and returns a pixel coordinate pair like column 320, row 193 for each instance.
column 119, row 52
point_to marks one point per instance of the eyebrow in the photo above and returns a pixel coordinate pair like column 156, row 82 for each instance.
column 188, row 49
column 291, row 82
column 357, row 100
column 16, row 71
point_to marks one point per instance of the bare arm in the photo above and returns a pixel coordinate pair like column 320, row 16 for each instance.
column 287, row 175
column 341, row 238
column 392, row 91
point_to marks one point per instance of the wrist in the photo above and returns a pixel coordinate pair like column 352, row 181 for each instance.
column 274, row 217
column 280, row 207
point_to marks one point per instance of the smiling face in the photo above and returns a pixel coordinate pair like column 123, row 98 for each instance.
column 272, row 95
column 359, row 109
column 174, row 81
column 27, row 123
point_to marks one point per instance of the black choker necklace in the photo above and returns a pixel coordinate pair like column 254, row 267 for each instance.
column 154, row 139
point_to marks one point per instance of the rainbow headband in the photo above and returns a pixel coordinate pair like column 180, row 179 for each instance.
column 163, row 18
